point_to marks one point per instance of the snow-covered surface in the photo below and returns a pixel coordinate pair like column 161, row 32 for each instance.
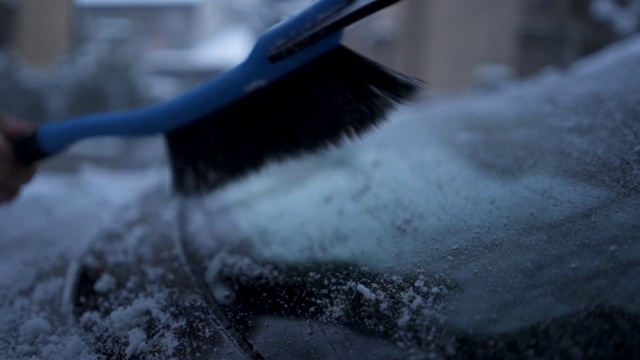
column 527, row 199
column 50, row 225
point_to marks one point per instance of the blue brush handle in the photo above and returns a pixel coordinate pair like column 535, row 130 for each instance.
column 254, row 72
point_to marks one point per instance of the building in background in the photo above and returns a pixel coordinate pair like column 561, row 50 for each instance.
column 44, row 30
column 557, row 33
column 452, row 44
column 444, row 41
column 455, row 44
column 7, row 15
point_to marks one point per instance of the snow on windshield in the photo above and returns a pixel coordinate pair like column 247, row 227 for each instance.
column 485, row 213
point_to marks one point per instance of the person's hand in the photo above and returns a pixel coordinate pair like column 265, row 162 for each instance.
column 13, row 174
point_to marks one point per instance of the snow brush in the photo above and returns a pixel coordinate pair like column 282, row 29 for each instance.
column 298, row 91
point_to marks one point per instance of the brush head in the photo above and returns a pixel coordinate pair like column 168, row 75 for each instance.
column 338, row 95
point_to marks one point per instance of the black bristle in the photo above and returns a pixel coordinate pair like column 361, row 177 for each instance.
column 338, row 95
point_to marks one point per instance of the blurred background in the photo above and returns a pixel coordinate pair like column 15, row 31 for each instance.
column 60, row 58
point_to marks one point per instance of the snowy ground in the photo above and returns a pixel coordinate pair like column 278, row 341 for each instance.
column 487, row 212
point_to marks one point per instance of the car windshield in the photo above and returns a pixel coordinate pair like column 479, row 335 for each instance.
column 498, row 221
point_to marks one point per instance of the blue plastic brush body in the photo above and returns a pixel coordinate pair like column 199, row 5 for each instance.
column 224, row 89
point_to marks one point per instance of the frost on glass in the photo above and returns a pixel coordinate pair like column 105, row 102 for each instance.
column 484, row 226
column 491, row 225
column 504, row 223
